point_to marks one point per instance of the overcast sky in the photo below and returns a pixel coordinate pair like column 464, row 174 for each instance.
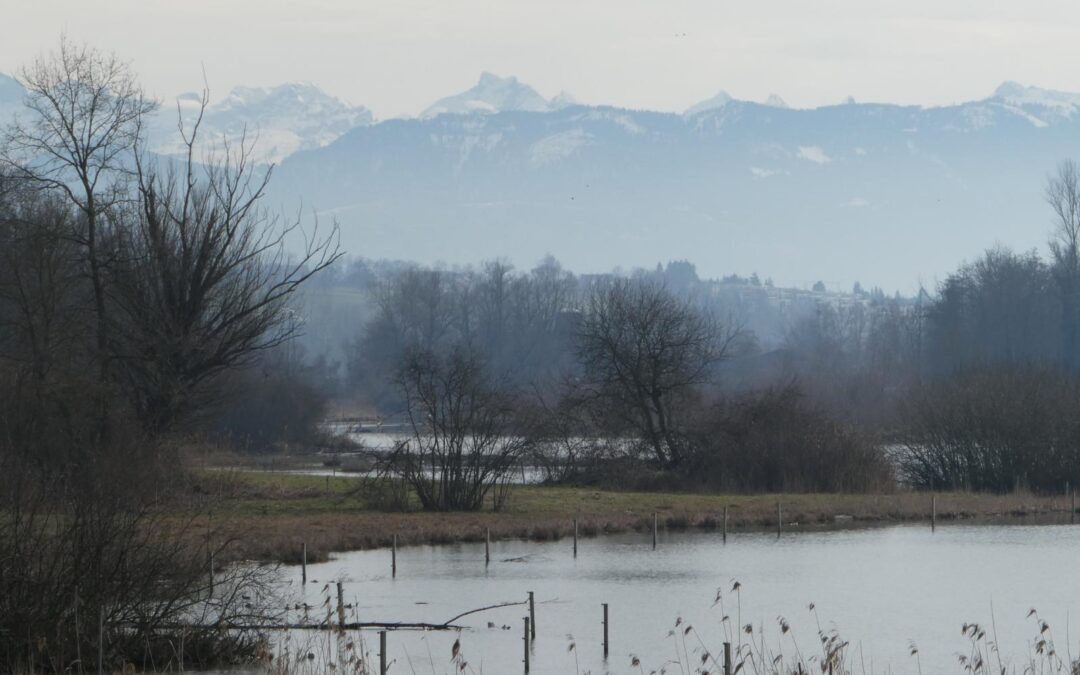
column 396, row 56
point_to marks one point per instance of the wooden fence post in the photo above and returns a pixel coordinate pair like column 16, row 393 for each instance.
column 532, row 616
column 487, row 546
column 727, row 658
column 654, row 530
column 779, row 519
column 101, row 640
column 605, row 630
column 382, row 652
column 340, row 606
column 933, row 512
column 393, row 559
column 525, row 639
column 303, row 564
column 575, row 537
column 725, row 524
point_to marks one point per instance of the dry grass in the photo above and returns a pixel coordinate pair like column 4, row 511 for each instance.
column 269, row 515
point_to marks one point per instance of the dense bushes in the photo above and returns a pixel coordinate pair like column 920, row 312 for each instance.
column 92, row 542
column 994, row 429
column 773, row 441
column 278, row 401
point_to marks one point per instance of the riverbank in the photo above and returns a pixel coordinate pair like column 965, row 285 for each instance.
column 270, row 515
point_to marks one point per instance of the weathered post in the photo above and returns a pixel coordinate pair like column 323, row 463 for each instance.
column 526, row 641
column 393, row 558
column 487, row 546
column 340, row 606
column 1072, row 506
column 382, row 652
column 532, row 616
column 727, row 658
column 725, row 524
column 779, row 519
column 575, row 537
column 654, row 519
column 605, row 630
column 303, row 564
column 933, row 512
column 101, row 640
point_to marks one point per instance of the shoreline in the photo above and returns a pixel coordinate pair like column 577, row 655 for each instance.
column 270, row 516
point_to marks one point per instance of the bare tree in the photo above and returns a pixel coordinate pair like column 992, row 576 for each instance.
column 464, row 442
column 1063, row 195
column 645, row 352
column 203, row 277
column 85, row 115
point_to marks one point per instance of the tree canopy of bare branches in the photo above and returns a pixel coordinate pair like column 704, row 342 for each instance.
column 84, row 118
column 644, row 352
column 189, row 272
column 202, row 277
column 463, row 441
column 1063, row 196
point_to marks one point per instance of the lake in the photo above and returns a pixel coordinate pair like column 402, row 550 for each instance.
column 883, row 589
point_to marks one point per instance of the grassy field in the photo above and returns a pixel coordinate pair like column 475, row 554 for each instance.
column 268, row 515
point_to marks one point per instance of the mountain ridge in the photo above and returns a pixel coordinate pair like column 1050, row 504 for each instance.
column 908, row 190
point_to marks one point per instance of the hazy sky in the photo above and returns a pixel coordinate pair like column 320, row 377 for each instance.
column 396, row 56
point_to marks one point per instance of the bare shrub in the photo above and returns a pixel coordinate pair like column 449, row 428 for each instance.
column 79, row 548
column 993, row 429
column 773, row 441
column 464, row 442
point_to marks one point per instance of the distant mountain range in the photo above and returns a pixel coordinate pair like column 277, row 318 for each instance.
column 885, row 194
column 278, row 121
column 493, row 94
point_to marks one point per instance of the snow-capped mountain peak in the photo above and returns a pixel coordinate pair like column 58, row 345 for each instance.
column 1014, row 93
column 774, row 101
column 490, row 95
column 563, row 100
column 721, row 99
column 279, row 120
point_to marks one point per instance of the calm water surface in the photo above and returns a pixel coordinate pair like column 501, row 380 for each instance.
column 882, row 589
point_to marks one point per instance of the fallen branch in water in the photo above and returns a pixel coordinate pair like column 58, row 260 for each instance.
column 356, row 625
column 483, row 609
